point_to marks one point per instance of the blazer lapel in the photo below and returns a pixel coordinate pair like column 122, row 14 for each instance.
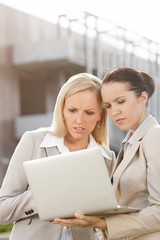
column 119, row 169
column 118, row 160
column 51, row 151
column 124, row 163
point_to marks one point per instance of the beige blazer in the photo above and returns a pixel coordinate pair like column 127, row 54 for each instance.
column 137, row 183
column 16, row 201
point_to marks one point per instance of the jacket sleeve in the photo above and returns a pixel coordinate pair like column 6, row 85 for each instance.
column 147, row 221
column 16, row 201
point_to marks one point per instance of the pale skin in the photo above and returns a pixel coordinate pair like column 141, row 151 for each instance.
column 127, row 111
column 81, row 113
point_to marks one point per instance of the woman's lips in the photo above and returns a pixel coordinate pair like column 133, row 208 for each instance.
column 120, row 121
column 79, row 129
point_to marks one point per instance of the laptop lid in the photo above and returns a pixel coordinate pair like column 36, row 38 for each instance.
column 71, row 182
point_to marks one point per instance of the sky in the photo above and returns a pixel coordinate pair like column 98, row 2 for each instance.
column 140, row 16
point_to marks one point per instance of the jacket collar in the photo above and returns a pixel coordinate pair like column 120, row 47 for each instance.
column 141, row 130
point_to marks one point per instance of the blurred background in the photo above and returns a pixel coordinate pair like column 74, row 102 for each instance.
column 43, row 44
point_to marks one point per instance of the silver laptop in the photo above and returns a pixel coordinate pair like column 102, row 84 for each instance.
column 72, row 182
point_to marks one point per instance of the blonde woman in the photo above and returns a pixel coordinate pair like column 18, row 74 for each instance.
column 79, row 122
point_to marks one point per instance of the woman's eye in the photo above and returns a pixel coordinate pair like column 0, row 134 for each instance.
column 89, row 113
column 72, row 110
column 121, row 101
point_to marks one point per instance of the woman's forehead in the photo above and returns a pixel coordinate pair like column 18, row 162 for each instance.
column 115, row 90
column 115, row 87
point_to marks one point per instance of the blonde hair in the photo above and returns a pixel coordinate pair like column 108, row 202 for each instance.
column 77, row 83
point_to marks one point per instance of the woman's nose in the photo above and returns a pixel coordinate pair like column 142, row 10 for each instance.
column 79, row 119
column 115, row 111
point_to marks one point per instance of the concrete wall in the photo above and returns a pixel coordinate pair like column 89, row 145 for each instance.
column 25, row 91
column 16, row 28
column 35, row 62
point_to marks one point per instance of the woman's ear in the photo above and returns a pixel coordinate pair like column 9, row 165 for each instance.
column 144, row 97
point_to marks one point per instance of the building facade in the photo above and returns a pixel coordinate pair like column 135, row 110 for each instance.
column 37, row 57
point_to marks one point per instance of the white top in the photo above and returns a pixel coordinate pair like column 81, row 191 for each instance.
column 53, row 141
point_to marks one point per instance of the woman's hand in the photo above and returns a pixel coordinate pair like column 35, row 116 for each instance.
column 81, row 220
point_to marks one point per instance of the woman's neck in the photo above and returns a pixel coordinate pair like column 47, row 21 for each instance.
column 75, row 144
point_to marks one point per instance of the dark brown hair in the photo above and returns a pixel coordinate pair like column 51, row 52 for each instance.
column 137, row 81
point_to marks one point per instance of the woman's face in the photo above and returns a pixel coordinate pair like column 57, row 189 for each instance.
column 81, row 112
column 125, row 109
